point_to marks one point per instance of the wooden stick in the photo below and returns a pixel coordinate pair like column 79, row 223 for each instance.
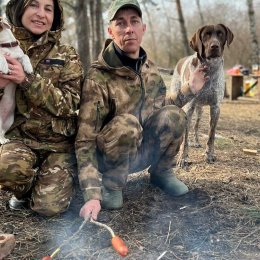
column 69, row 239
column 103, row 225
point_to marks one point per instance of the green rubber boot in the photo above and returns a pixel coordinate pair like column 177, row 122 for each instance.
column 111, row 199
column 169, row 183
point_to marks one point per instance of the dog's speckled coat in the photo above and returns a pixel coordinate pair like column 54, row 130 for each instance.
column 208, row 43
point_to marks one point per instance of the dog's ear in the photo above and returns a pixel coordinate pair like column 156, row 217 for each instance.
column 230, row 35
column 196, row 42
column 4, row 24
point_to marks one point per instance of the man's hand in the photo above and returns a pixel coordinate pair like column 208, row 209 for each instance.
column 90, row 209
column 198, row 78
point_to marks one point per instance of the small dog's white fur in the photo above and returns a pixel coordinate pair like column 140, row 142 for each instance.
column 7, row 102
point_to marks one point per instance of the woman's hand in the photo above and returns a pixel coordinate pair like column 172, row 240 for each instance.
column 3, row 82
column 16, row 73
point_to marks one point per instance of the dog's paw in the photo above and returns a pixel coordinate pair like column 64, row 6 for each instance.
column 195, row 144
column 183, row 163
column 28, row 68
column 210, row 158
column 4, row 140
column 25, row 61
column 3, row 66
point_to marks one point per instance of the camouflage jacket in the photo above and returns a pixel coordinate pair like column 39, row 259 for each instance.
column 47, row 109
column 111, row 89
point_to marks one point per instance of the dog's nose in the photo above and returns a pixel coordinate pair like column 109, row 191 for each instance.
column 214, row 46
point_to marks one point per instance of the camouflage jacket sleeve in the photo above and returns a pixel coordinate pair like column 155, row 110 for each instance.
column 93, row 109
column 57, row 90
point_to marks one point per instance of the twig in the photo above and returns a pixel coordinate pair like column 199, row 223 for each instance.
column 169, row 229
column 161, row 256
column 69, row 239
column 248, row 235
column 103, row 225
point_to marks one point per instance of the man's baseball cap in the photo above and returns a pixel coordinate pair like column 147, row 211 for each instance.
column 118, row 4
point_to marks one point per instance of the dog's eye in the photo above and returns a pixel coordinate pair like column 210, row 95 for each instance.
column 220, row 33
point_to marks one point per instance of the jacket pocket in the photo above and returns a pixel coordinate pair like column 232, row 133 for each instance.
column 50, row 71
column 65, row 127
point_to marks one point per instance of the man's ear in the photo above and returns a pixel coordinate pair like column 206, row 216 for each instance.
column 144, row 27
column 110, row 32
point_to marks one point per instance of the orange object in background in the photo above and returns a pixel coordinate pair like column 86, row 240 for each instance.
column 236, row 70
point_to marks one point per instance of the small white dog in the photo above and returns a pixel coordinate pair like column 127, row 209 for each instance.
column 10, row 46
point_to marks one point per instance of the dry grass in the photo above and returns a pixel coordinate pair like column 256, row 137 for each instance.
column 217, row 220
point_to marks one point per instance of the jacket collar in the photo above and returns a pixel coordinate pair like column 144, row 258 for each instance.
column 113, row 57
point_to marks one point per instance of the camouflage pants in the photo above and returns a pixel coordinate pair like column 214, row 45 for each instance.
column 45, row 177
column 124, row 146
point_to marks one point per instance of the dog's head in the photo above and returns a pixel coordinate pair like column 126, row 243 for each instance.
column 209, row 41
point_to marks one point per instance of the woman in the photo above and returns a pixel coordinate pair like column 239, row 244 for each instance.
column 38, row 165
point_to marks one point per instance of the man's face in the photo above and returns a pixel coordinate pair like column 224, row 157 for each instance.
column 127, row 30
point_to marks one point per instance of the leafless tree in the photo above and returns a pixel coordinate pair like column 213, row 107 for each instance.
column 151, row 27
column 95, row 13
column 200, row 13
column 252, row 28
column 1, row 7
column 185, row 41
column 88, row 27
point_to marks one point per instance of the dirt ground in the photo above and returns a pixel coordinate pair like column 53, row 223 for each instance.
column 219, row 219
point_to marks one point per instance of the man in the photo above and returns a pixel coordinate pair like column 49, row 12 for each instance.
column 124, row 125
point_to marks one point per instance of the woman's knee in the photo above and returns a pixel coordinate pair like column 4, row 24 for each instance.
column 16, row 164
column 53, row 189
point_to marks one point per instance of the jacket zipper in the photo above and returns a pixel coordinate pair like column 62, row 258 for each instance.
column 98, row 115
column 143, row 96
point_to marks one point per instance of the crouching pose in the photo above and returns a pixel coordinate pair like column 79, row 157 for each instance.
column 38, row 165
column 124, row 125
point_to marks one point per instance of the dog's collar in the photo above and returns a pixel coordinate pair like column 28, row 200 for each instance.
column 9, row 44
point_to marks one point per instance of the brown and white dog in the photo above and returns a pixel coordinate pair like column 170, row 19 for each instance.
column 208, row 43
column 9, row 46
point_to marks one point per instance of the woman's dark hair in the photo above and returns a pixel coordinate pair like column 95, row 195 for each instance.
column 15, row 10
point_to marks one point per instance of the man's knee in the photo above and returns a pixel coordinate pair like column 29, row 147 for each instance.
column 123, row 134
column 170, row 120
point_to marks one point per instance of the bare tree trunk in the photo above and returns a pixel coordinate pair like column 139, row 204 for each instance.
column 93, row 27
column 151, row 29
column 1, row 7
column 252, row 27
column 99, row 28
column 202, row 22
column 169, row 36
column 185, row 41
column 82, row 29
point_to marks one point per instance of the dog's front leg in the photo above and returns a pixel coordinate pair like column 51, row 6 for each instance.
column 7, row 107
column 25, row 61
column 198, row 113
column 183, row 159
column 214, row 116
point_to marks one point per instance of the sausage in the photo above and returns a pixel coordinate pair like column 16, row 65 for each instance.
column 119, row 245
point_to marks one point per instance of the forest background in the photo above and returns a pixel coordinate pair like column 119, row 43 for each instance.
column 170, row 25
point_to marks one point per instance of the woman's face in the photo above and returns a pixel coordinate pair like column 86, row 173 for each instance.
column 38, row 16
